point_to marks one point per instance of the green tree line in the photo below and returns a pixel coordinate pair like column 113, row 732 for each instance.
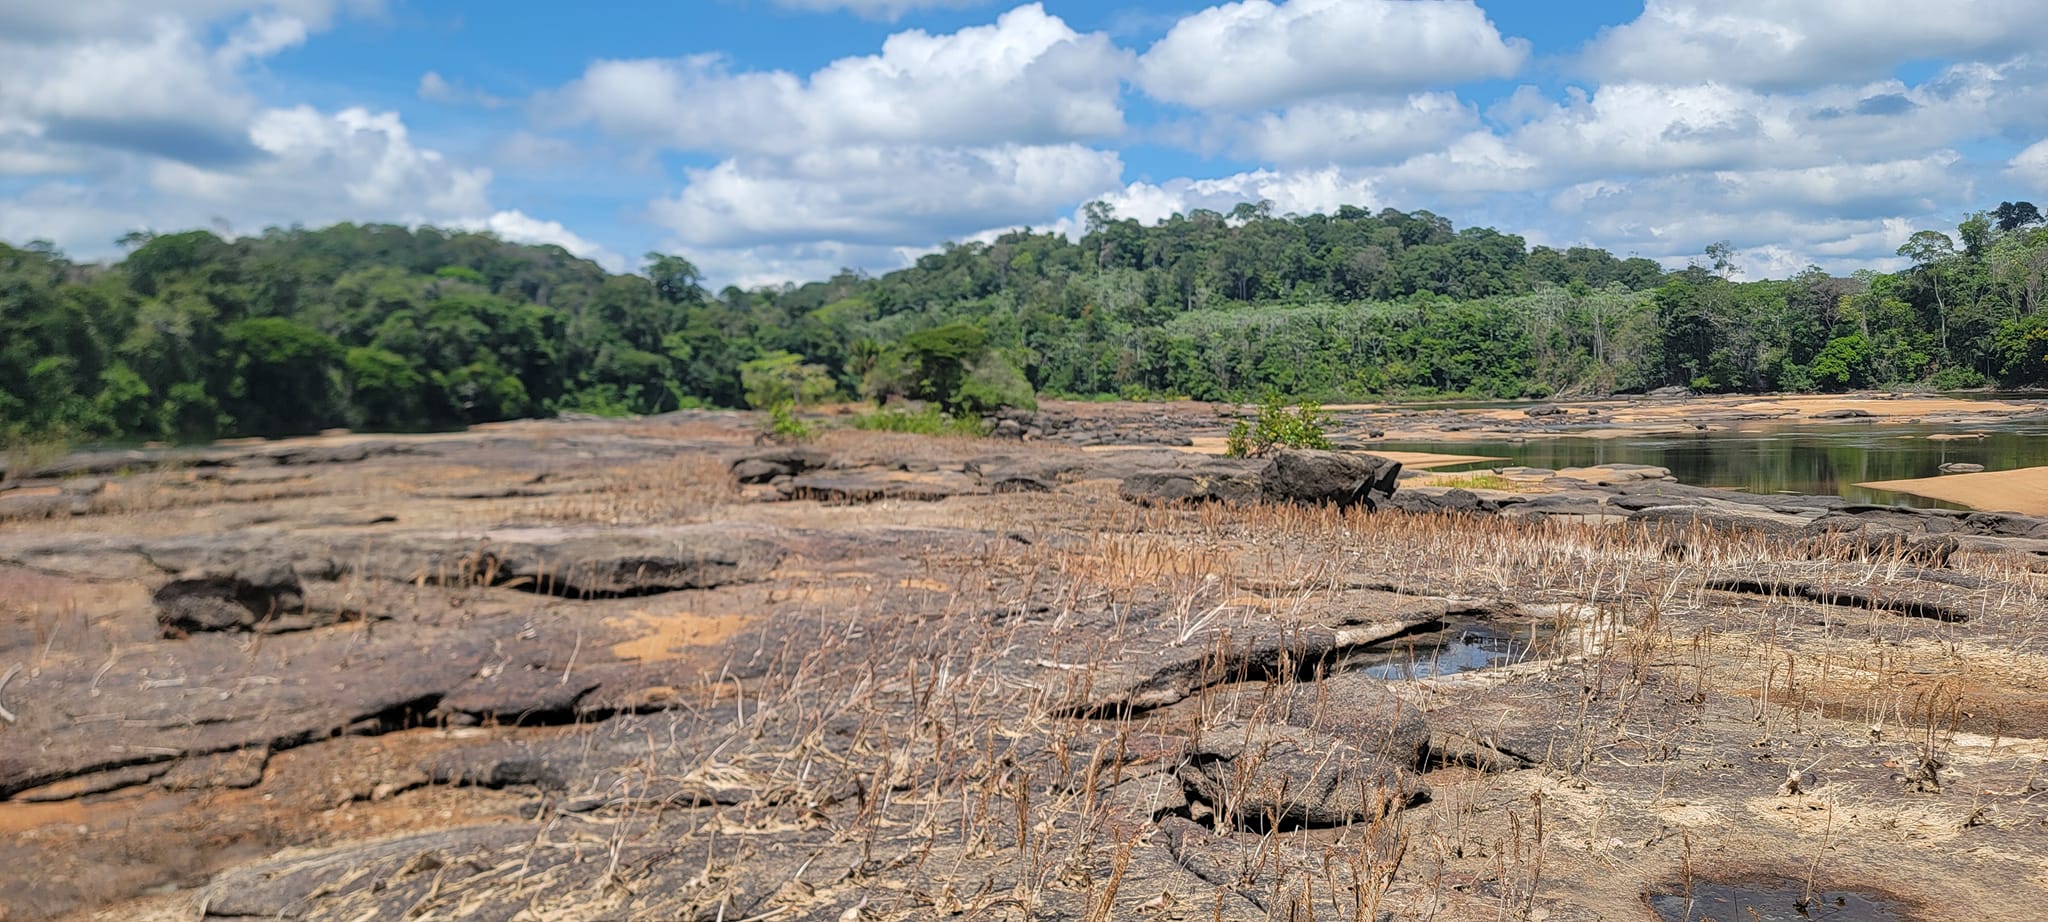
column 192, row 336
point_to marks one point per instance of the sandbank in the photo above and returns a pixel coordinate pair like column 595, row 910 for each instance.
column 2024, row 491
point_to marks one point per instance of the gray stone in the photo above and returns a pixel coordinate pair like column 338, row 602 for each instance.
column 223, row 599
column 1346, row 753
column 764, row 466
column 1338, row 478
column 1181, row 487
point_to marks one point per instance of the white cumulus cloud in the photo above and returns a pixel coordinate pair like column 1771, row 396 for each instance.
column 2031, row 166
column 1026, row 78
column 1289, row 191
column 882, row 196
column 1257, row 54
column 1351, row 131
column 1808, row 43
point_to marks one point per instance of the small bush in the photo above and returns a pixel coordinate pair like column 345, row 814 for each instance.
column 1304, row 426
column 928, row 421
column 784, row 427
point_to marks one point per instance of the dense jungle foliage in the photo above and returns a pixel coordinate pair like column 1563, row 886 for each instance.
column 385, row 327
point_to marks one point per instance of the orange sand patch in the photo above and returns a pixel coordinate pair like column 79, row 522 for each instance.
column 16, row 818
column 1424, row 460
column 663, row 636
column 1879, row 407
column 1203, row 445
column 2024, row 491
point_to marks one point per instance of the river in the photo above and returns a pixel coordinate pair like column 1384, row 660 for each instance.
column 1772, row 457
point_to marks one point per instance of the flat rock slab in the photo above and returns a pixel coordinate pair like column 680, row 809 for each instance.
column 1924, row 593
column 871, row 484
column 1166, row 660
column 1264, row 776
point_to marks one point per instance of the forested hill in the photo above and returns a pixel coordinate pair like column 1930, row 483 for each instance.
column 384, row 327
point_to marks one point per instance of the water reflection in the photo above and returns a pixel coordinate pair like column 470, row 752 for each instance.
column 1766, row 458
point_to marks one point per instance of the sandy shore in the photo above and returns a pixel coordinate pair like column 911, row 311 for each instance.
column 2024, row 491
column 1789, row 407
column 1649, row 418
column 1414, row 460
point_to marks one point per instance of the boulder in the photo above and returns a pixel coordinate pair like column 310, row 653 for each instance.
column 1544, row 410
column 1192, row 486
column 239, row 598
column 1315, row 477
column 789, row 461
column 1429, row 501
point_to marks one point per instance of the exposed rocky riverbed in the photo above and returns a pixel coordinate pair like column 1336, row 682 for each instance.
column 651, row 669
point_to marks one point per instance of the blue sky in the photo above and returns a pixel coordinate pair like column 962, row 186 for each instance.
column 773, row 140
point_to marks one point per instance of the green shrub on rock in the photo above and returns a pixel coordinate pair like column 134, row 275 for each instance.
column 1277, row 426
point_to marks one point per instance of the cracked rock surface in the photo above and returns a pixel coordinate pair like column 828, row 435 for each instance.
column 649, row 669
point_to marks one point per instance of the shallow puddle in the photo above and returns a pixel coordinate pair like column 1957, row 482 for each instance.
column 1464, row 645
column 1711, row 902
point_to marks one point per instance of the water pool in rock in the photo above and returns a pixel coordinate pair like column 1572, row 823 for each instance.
column 1462, row 645
column 1720, row 902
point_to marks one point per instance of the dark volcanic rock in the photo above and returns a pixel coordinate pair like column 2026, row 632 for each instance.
column 1263, row 776
column 1344, row 751
column 282, row 888
column 764, row 466
column 597, row 563
column 1722, row 517
column 238, row 599
column 1329, row 477
column 1451, row 500
column 870, row 484
column 1215, row 484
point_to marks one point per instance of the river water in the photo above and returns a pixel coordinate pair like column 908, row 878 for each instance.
column 1768, row 457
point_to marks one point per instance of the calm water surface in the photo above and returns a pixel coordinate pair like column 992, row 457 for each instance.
column 1777, row 458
